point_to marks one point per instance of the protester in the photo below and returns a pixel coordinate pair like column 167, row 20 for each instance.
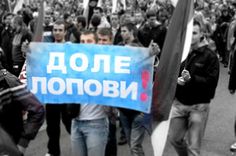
column 199, row 75
column 105, row 37
column 56, row 112
column 81, row 23
column 104, row 22
column 6, row 41
column 95, row 22
column 22, row 34
column 16, row 99
column 72, row 34
column 134, row 122
column 115, row 26
column 152, row 30
column 89, row 130
column 231, row 42
column 232, row 84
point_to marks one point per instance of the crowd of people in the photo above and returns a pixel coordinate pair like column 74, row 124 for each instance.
column 138, row 23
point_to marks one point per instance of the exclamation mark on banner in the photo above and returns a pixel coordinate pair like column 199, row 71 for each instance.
column 145, row 80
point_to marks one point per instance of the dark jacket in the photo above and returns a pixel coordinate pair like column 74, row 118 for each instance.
column 72, row 34
column 14, row 100
column 147, row 33
column 6, row 44
column 203, row 66
column 19, row 38
column 232, row 78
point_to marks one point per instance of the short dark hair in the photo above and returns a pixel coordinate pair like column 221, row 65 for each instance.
column 196, row 22
column 150, row 13
column 81, row 19
column 66, row 16
column 60, row 5
column 95, row 20
column 59, row 22
column 131, row 27
column 88, row 32
column 105, row 32
column 98, row 8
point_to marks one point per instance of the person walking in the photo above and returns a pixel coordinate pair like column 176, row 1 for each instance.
column 197, row 82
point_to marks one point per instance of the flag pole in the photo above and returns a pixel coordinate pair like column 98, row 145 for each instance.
column 168, row 70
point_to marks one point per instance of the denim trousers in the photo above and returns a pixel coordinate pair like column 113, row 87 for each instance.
column 187, row 126
column 134, row 131
column 89, row 137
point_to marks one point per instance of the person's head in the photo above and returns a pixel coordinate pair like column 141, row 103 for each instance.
column 81, row 22
column 95, row 20
column 97, row 11
column 163, row 15
column 88, row 37
column 139, row 17
column 56, row 15
column 58, row 6
column 105, row 36
column 142, row 4
column 7, row 18
column 197, row 34
column 59, row 31
column 126, row 18
column 47, row 18
column 128, row 32
column 225, row 12
column 17, row 23
column 151, row 17
column 67, row 18
column 93, row 3
column 115, row 19
column 66, row 4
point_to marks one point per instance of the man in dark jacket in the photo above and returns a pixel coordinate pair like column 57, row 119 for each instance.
column 22, row 34
column 196, row 87
column 7, row 36
column 15, row 99
column 152, row 30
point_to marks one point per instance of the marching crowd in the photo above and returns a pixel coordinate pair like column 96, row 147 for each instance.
column 92, row 128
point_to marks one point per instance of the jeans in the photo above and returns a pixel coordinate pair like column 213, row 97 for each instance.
column 187, row 127
column 89, row 137
column 135, row 131
column 54, row 114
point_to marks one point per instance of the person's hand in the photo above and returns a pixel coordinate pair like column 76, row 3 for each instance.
column 181, row 81
column 21, row 149
column 1, row 53
column 232, row 91
column 186, row 75
column 154, row 49
column 25, row 48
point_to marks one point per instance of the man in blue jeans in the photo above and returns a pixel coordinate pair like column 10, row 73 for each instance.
column 89, row 130
column 199, row 75
column 134, row 122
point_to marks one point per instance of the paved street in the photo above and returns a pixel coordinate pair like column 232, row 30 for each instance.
column 218, row 136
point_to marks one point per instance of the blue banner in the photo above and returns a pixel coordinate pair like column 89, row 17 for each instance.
column 119, row 76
